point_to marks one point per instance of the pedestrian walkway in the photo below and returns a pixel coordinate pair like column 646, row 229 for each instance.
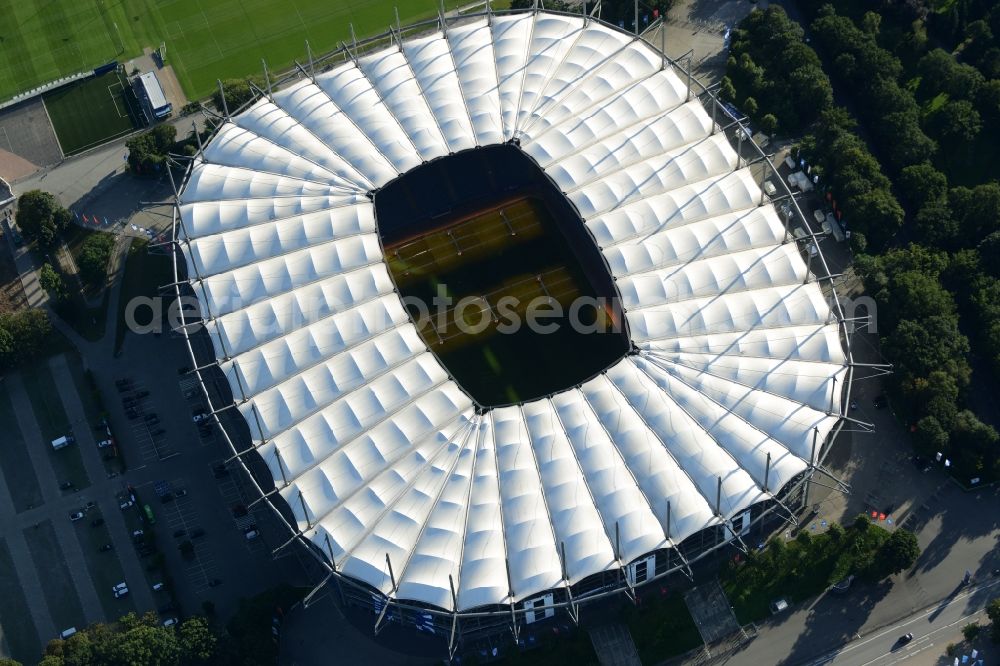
column 614, row 645
column 711, row 611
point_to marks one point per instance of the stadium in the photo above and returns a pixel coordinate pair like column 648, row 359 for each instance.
column 472, row 483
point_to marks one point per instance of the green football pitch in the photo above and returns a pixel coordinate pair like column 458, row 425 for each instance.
column 42, row 40
column 90, row 112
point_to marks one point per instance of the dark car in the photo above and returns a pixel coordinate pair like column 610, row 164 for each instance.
column 179, row 533
column 105, row 548
column 220, row 470
column 180, row 493
column 65, row 485
column 239, row 511
column 97, row 522
column 880, row 401
column 215, row 582
column 197, row 532
column 141, row 394
column 166, row 608
column 132, row 414
column 158, row 432
column 152, row 418
column 904, row 639
column 183, row 369
column 167, row 497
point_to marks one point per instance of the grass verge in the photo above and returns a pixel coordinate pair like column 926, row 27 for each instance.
column 18, row 628
column 662, row 627
column 53, row 422
column 145, row 273
column 57, row 584
column 18, row 471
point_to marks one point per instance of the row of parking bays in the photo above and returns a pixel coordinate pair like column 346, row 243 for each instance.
column 148, row 432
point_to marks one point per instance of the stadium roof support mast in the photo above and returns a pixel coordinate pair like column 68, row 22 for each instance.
column 222, row 95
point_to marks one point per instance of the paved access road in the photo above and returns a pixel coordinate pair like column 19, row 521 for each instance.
column 933, row 629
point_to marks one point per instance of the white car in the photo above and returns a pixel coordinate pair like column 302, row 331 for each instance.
column 76, row 515
column 157, row 587
column 170, row 621
column 120, row 586
column 121, row 593
column 125, row 504
column 198, row 417
column 105, row 443
column 137, row 534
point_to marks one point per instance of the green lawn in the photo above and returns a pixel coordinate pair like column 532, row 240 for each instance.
column 53, row 422
column 205, row 40
column 52, row 39
column 88, row 113
column 15, row 620
column 15, row 461
column 60, row 592
column 662, row 627
column 145, row 273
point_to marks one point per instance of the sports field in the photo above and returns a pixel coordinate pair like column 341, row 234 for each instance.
column 42, row 40
column 90, row 112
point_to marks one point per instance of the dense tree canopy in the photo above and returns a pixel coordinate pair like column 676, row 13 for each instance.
column 41, row 217
column 94, row 255
column 147, row 152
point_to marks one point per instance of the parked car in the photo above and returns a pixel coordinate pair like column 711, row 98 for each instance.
column 167, row 497
column 880, row 401
column 105, row 443
column 90, row 505
column 179, row 533
column 158, row 432
column 105, row 548
column 180, row 493
column 65, row 485
column 197, row 532
column 778, row 606
column 215, row 582
column 166, row 608
column 125, row 504
column 76, row 515
column 239, row 511
column 121, row 593
column 97, row 522
column 170, row 621
column 120, row 586
column 157, row 587
column 141, row 394
column 251, row 534
column 199, row 416
column 137, row 534
column 152, row 419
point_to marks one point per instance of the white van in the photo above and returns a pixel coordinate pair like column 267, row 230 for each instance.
column 66, row 633
column 62, row 442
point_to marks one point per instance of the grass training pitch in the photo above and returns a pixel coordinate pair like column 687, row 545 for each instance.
column 90, row 112
column 47, row 39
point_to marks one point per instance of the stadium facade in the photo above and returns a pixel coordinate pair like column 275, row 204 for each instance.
column 462, row 518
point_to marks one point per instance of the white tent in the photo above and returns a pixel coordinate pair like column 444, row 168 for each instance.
column 738, row 362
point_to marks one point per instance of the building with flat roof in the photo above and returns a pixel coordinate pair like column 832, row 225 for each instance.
column 154, row 103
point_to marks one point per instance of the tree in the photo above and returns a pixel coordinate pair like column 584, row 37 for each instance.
column 897, row 554
column 147, row 152
column 41, row 217
column 94, row 256
column 52, row 282
column 196, row 640
column 237, row 93
column 993, row 612
column 921, row 183
column 956, row 121
column 989, row 253
column 750, row 106
column 23, row 334
column 726, row 89
column 768, row 124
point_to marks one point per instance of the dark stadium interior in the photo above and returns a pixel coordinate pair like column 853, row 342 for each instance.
column 488, row 226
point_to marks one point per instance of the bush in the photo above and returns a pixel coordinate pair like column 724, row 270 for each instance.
column 52, row 282
column 147, row 152
column 23, row 335
column 971, row 630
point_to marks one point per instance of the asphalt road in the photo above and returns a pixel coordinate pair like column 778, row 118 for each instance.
column 933, row 629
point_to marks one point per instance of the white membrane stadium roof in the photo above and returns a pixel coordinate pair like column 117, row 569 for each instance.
column 739, row 356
